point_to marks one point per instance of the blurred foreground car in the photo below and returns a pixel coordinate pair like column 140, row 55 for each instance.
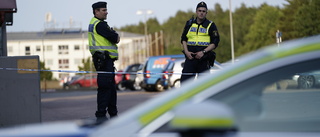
column 254, row 97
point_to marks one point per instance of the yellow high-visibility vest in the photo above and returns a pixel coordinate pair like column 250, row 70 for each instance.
column 98, row 42
column 198, row 35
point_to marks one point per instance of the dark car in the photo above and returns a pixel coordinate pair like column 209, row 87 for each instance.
column 128, row 79
column 154, row 72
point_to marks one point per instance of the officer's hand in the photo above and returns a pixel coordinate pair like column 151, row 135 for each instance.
column 199, row 55
column 189, row 55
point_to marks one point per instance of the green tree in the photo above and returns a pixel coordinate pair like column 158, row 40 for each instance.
column 173, row 29
column 262, row 31
column 242, row 20
column 288, row 19
column 45, row 75
column 306, row 19
column 87, row 65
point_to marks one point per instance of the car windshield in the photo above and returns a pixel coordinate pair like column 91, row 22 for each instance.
column 285, row 99
column 282, row 100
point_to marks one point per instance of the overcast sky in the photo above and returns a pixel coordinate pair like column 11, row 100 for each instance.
column 31, row 14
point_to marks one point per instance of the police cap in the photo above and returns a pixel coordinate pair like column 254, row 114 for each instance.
column 99, row 4
column 202, row 4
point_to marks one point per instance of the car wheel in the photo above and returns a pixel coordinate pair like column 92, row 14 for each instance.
column 176, row 84
column 159, row 86
column 121, row 87
column 76, row 86
column 305, row 82
column 136, row 86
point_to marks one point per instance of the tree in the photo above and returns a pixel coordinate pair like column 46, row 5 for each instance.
column 45, row 75
column 306, row 19
column 262, row 31
column 87, row 65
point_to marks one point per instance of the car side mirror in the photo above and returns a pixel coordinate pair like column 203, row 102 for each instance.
column 203, row 119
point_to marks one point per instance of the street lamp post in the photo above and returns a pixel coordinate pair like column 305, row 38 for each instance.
column 145, row 13
column 231, row 31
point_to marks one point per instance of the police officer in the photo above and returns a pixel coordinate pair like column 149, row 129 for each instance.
column 199, row 38
column 102, row 45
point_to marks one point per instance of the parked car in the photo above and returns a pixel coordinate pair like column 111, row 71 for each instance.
column 175, row 67
column 85, row 81
column 153, row 77
column 308, row 80
column 118, row 79
column 128, row 79
column 68, row 80
column 242, row 100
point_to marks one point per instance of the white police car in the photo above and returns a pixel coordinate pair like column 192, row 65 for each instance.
column 254, row 97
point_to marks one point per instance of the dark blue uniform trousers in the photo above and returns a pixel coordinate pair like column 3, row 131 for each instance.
column 193, row 66
column 107, row 93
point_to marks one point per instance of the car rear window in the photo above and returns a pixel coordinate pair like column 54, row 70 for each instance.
column 157, row 64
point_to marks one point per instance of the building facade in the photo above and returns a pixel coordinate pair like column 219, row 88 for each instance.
column 64, row 49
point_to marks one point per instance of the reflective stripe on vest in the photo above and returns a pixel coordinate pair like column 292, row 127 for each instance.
column 98, row 42
column 198, row 35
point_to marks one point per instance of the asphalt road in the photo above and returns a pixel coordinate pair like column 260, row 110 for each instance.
column 79, row 105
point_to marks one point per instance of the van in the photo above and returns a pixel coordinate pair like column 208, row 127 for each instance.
column 154, row 78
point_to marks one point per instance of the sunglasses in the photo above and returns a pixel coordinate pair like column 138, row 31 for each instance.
column 202, row 11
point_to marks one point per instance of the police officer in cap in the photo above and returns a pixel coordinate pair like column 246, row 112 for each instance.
column 199, row 38
column 103, row 47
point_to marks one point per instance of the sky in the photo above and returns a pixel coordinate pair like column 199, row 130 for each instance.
column 31, row 14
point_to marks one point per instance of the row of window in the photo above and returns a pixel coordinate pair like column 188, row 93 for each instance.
column 62, row 49
column 63, row 63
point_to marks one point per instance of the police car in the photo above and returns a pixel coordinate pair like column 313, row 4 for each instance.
column 254, row 97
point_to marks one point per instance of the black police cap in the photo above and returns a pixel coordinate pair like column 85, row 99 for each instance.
column 99, row 4
column 202, row 4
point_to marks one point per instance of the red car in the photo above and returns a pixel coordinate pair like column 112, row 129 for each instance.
column 90, row 80
column 85, row 81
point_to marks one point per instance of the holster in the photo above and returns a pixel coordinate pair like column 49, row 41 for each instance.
column 210, row 56
column 99, row 60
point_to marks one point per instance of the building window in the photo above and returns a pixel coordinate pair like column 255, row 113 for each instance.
column 63, row 49
column 76, row 47
column 63, row 63
column 10, row 49
column 49, row 62
column 77, row 61
column 38, row 48
column 49, row 48
column 27, row 50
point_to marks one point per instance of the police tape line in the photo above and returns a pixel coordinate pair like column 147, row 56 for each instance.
column 94, row 72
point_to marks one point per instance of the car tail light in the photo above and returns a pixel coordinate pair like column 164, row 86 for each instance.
column 166, row 75
column 127, row 77
column 147, row 74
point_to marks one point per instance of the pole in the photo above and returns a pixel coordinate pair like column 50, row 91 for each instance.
column 231, row 31
column 3, row 35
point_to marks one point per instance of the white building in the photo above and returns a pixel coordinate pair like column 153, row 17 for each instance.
column 64, row 49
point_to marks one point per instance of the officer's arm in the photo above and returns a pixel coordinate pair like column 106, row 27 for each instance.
column 104, row 30
column 214, row 36
column 184, row 40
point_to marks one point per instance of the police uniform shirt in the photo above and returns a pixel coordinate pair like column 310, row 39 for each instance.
column 104, row 30
column 213, row 33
